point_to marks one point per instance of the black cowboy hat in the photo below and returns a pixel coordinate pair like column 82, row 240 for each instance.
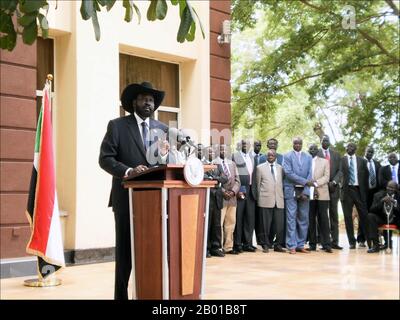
column 131, row 92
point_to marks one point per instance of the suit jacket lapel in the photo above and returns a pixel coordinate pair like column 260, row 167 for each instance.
column 134, row 130
column 359, row 161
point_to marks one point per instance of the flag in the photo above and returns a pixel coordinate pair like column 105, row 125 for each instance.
column 42, row 209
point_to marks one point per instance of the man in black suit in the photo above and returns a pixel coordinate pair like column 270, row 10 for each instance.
column 354, row 190
column 373, row 186
column 245, row 210
column 129, row 147
column 216, row 203
column 390, row 172
column 390, row 199
column 257, row 156
column 335, row 176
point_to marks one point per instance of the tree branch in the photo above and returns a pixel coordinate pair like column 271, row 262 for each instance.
column 301, row 79
column 329, row 122
column 281, row 87
column 374, row 65
column 371, row 65
column 393, row 6
column 377, row 43
column 313, row 6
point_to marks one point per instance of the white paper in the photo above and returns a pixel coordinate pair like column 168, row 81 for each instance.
column 311, row 193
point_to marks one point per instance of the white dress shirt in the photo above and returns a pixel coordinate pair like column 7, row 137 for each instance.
column 396, row 169
column 139, row 121
column 272, row 165
column 298, row 155
column 249, row 164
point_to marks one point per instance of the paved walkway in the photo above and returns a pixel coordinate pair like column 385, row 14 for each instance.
column 318, row 275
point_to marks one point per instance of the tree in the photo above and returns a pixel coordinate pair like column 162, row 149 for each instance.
column 31, row 16
column 344, row 55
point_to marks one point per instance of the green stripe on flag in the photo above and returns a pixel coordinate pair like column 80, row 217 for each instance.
column 38, row 131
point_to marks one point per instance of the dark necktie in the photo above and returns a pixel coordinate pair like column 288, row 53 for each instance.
column 372, row 176
column 145, row 131
column 352, row 178
column 256, row 160
column 272, row 171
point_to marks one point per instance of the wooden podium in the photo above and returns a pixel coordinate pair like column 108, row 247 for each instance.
column 169, row 221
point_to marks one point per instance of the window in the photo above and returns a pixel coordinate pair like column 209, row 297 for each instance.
column 163, row 76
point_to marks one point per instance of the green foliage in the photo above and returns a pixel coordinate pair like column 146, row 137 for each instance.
column 30, row 18
column 187, row 26
column 157, row 10
column 301, row 48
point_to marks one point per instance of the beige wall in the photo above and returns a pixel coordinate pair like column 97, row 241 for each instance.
column 87, row 97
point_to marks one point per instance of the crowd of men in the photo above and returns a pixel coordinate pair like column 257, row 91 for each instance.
column 291, row 200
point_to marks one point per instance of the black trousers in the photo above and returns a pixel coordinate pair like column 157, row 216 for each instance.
column 123, row 260
column 361, row 237
column 351, row 198
column 214, row 241
column 373, row 222
column 334, row 218
column 258, row 227
column 245, row 221
column 319, row 217
column 267, row 216
column 273, row 237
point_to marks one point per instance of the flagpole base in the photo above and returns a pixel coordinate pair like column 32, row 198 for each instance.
column 42, row 283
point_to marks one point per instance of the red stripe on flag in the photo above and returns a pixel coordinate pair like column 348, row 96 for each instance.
column 45, row 188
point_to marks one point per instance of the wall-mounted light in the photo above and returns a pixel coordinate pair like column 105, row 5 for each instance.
column 225, row 36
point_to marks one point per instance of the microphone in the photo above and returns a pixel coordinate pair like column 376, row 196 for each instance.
column 190, row 143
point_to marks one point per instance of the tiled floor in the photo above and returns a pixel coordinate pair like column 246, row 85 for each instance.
column 318, row 275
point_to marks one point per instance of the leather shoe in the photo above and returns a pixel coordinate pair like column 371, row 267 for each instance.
column 312, row 248
column 374, row 249
column 217, row 253
column 265, row 248
column 233, row 252
column 292, row 251
column 302, row 250
column 352, row 246
column 337, row 247
column 328, row 249
column 249, row 249
column 255, row 248
column 384, row 246
column 239, row 249
column 362, row 245
column 279, row 249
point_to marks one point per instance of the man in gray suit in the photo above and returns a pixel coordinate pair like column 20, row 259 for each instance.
column 270, row 202
column 334, row 178
column 229, row 190
column 297, row 168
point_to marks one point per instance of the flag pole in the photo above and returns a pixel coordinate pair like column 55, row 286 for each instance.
column 51, row 280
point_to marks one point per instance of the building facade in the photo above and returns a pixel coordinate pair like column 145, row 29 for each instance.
column 88, row 79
